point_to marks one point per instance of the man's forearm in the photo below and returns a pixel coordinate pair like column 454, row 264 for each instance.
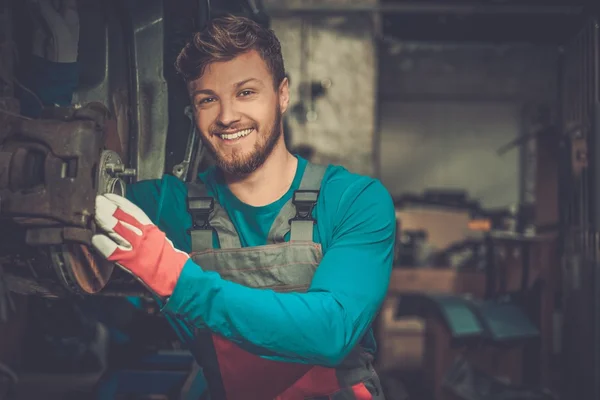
column 312, row 328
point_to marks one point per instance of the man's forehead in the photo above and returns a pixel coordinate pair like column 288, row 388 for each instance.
column 221, row 74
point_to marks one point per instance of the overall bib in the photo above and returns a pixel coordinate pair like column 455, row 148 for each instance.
column 235, row 374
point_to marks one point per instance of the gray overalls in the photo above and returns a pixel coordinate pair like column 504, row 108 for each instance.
column 235, row 374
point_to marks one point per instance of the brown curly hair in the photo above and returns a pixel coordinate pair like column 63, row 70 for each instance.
column 225, row 38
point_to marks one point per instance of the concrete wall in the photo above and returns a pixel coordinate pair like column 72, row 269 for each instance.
column 319, row 47
column 446, row 109
column 415, row 115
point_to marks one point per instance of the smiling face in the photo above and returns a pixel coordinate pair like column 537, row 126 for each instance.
column 238, row 112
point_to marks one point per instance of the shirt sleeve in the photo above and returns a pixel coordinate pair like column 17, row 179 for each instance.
column 322, row 325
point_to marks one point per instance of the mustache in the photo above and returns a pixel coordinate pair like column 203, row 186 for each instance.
column 218, row 130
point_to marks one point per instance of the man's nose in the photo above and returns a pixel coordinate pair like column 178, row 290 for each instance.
column 228, row 114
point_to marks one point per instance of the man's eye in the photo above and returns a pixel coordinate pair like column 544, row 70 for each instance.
column 244, row 93
column 206, row 100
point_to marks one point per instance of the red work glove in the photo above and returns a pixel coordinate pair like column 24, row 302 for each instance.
column 137, row 245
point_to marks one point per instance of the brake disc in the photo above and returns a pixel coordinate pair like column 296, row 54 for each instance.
column 77, row 266
column 79, row 269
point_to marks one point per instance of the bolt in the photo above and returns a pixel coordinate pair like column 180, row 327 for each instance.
column 119, row 170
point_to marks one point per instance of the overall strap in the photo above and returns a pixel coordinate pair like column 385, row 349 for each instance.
column 296, row 214
column 208, row 216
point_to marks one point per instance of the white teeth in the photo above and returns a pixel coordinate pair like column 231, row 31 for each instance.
column 238, row 134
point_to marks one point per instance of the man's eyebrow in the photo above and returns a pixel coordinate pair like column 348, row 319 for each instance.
column 242, row 83
column 203, row 91
column 236, row 85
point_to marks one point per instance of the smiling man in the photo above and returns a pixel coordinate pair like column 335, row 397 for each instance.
column 224, row 126
column 270, row 268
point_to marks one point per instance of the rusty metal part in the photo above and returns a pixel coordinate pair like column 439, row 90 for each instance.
column 58, row 270
column 57, row 235
column 79, row 269
column 120, row 170
column 108, row 180
column 47, row 168
column 50, row 173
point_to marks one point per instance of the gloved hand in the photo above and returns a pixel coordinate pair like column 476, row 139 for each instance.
column 136, row 244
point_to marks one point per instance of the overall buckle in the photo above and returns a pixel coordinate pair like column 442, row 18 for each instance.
column 200, row 209
column 305, row 201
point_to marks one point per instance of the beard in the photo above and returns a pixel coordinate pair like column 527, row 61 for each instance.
column 244, row 164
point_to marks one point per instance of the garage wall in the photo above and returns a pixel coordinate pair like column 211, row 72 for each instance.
column 450, row 145
column 417, row 115
column 340, row 49
column 446, row 109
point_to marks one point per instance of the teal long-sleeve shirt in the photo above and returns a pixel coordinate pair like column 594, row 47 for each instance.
column 356, row 228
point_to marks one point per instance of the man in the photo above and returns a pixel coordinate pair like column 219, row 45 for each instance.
column 289, row 261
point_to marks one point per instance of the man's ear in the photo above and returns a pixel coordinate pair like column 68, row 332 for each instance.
column 284, row 94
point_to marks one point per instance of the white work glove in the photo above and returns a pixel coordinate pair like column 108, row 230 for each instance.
column 137, row 245
column 56, row 30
